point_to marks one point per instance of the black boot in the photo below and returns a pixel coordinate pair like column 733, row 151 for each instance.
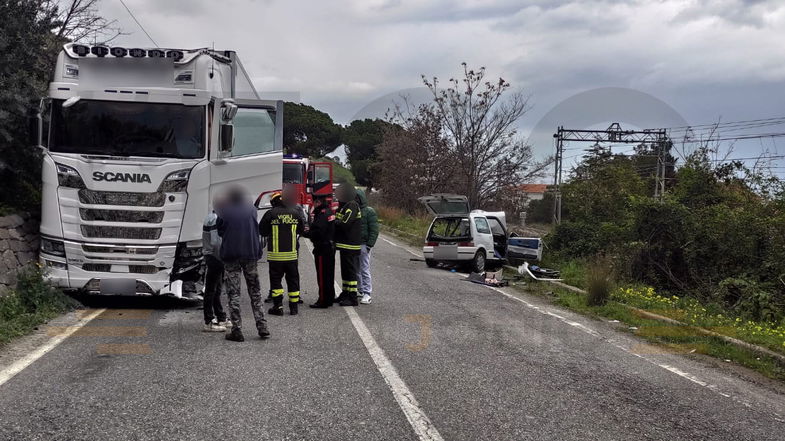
column 269, row 298
column 293, row 307
column 235, row 335
column 349, row 300
column 277, row 308
column 264, row 333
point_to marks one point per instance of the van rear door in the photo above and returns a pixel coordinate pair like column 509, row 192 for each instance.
column 443, row 204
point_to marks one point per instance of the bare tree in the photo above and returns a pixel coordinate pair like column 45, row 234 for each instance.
column 478, row 119
column 415, row 158
column 79, row 20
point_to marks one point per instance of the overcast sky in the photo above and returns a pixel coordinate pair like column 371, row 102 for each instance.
column 705, row 59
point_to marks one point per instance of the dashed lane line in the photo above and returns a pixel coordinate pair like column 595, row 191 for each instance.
column 21, row 364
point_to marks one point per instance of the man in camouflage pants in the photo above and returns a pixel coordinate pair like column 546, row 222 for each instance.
column 241, row 249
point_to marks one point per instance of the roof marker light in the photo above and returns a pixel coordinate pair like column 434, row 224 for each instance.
column 118, row 52
column 100, row 51
column 155, row 53
column 177, row 55
column 137, row 53
column 81, row 50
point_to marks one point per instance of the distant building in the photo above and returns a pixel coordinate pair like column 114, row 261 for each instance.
column 533, row 192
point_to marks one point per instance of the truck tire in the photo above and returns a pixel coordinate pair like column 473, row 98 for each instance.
column 431, row 263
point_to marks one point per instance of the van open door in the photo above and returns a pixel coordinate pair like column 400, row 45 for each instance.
column 446, row 204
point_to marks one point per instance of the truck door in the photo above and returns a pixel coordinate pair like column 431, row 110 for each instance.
column 254, row 161
column 320, row 178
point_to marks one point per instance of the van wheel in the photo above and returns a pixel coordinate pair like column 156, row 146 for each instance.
column 478, row 263
column 431, row 263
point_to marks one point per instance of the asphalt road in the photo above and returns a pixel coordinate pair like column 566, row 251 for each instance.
column 434, row 357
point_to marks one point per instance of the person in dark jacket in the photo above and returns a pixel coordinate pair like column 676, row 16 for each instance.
column 369, row 232
column 214, row 315
column 241, row 250
column 348, row 227
column 321, row 233
column 281, row 225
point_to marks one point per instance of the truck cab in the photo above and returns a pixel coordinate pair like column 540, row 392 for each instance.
column 137, row 142
column 309, row 178
column 458, row 235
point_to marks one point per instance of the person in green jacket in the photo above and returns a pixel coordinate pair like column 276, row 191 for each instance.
column 369, row 234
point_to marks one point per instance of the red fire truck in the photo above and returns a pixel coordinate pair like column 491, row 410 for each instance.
column 307, row 177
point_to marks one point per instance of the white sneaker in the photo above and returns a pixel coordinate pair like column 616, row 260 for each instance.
column 212, row 327
column 366, row 300
column 226, row 324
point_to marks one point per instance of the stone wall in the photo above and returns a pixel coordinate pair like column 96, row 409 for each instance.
column 19, row 244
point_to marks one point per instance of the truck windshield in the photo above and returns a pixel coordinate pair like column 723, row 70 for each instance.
column 128, row 129
column 293, row 173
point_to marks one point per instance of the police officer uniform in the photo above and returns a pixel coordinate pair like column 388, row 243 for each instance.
column 321, row 233
column 281, row 225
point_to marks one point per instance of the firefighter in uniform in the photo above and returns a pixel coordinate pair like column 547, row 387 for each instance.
column 281, row 225
column 321, row 234
column 348, row 230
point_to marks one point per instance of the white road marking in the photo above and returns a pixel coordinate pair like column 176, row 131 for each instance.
column 417, row 418
column 422, row 425
column 586, row 329
column 21, row 364
column 401, row 247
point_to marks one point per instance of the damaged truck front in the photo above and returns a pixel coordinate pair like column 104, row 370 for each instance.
column 136, row 144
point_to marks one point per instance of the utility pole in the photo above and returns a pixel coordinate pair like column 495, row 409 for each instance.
column 557, row 178
column 613, row 134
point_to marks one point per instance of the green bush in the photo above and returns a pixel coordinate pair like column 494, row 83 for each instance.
column 32, row 302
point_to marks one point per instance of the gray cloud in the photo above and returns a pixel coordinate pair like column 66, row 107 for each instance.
column 705, row 58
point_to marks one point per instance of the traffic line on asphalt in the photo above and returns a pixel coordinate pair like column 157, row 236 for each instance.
column 21, row 364
column 421, row 424
column 98, row 331
column 417, row 418
column 401, row 247
column 686, row 375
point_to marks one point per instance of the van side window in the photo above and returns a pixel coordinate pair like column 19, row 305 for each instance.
column 496, row 227
column 254, row 132
column 482, row 225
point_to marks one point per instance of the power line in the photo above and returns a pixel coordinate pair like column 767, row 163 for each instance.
column 137, row 22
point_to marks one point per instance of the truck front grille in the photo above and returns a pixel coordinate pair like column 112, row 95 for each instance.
column 119, row 249
column 97, row 267
column 121, row 198
column 104, row 232
column 143, row 269
column 107, row 268
column 153, row 217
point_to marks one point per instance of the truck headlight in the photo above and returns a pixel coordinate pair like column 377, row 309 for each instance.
column 53, row 247
column 175, row 182
column 69, row 177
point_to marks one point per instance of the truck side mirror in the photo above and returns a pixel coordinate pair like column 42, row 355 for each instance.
column 34, row 127
column 309, row 181
column 227, row 138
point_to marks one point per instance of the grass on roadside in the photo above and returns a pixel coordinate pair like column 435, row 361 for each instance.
column 410, row 228
column 664, row 336
column 33, row 302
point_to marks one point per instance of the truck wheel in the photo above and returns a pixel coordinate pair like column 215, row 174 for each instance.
column 431, row 263
column 478, row 263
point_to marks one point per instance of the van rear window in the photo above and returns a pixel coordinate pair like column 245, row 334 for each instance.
column 452, row 228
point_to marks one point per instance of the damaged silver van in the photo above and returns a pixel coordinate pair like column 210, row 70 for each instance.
column 458, row 235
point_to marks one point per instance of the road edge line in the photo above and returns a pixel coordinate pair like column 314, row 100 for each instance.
column 24, row 362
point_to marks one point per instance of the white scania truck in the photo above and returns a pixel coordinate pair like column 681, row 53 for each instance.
column 136, row 143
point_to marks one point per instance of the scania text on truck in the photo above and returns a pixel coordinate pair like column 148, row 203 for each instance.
column 136, row 143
